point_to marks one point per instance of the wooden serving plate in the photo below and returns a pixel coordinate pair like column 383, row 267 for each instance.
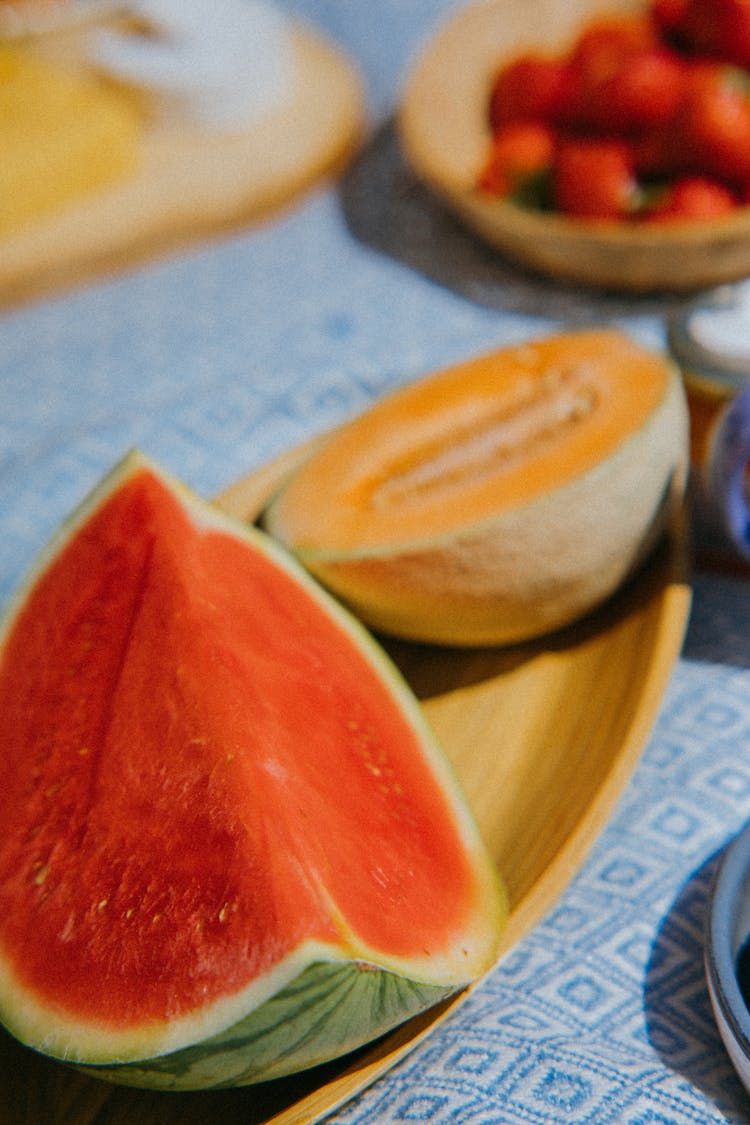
column 445, row 136
column 543, row 736
column 191, row 182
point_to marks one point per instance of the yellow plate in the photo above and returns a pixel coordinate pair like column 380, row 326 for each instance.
column 191, row 184
column 543, row 736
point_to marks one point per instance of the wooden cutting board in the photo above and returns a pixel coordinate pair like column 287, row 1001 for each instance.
column 191, row 183
column 543, row 736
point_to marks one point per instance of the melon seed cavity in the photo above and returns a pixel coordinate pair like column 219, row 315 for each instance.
column 552, row 406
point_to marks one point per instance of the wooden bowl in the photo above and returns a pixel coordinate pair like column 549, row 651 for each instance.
column 445, row 135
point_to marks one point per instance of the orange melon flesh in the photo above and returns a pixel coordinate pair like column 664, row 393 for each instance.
column 485, row 469
column 459, row 446
column 204, row 773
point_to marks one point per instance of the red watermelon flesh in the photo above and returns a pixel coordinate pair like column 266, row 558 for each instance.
column 210, row 779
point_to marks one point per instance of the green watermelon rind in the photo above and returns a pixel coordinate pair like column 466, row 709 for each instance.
column 323, row 1001
column 320, row 1016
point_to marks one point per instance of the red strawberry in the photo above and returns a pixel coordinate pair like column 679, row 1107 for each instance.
column 714, row 124
column 694, row 198
column 599, row 54
column 659, row 152
column 718, row 28
column 607, row 40
column 594, row 179
column 529, row 87
column 521, row 151
column 645, row 92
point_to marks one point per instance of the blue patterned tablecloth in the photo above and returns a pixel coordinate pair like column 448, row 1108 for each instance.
column 219, row 357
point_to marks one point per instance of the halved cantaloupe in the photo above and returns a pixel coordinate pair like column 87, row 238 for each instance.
column 498, row 499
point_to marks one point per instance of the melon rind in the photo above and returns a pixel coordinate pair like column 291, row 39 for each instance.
column 322, row 1000
column 532, row 567
column 329, row 1010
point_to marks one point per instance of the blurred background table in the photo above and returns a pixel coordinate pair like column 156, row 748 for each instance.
column 215, row 359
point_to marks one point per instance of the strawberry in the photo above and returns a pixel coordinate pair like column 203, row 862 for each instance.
column 601, row 52
column 529, row 87
column 520, row 157
column 594, row 179
column 659, row 152
column 718, row 28
column 607, row 40
column 693, row 198
column 645, row 92
column 647, row 115
column 714, row 123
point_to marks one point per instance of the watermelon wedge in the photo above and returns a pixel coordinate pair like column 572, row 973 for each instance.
column 231, row 847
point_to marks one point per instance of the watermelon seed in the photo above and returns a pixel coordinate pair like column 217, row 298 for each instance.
column 42, row 870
